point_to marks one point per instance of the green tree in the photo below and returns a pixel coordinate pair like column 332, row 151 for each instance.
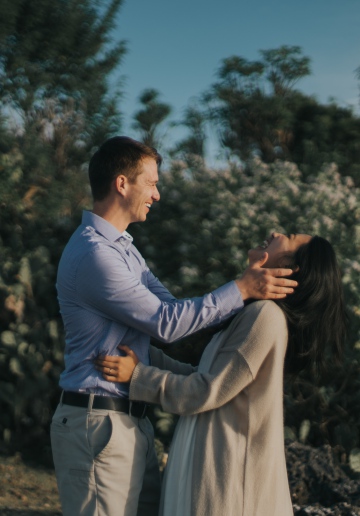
column 148, row 119
column 284, row 67
column 192, row 147
column 325, row 134
column 258, row 111
column 250, row 118
column 60, row 50
column 55, row 61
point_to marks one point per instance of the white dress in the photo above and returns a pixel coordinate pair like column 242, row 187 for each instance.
column 176, row 489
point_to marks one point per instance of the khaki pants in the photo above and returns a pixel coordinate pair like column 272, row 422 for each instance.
column 105, row 463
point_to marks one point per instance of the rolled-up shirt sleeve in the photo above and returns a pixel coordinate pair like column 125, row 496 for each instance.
column 109, row 287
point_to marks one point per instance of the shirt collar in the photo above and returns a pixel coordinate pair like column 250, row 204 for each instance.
column 106, row 229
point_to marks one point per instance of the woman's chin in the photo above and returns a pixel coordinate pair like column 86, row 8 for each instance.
column 255, row 255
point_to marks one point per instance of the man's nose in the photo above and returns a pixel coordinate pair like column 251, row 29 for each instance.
column 156, row 195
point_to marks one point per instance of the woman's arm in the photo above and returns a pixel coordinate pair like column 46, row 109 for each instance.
column 185, row 395
column 247, row 342
column 160, row 360
column 120, row 368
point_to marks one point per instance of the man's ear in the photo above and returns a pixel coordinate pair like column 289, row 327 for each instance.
column 120, row 184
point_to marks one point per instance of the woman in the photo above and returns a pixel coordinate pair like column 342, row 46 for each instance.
column 227, row 455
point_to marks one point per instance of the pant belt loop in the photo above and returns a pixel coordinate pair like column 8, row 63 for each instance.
column 90, row 404
column 61, row 399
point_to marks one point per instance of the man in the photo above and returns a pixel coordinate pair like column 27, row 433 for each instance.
column 102, row 445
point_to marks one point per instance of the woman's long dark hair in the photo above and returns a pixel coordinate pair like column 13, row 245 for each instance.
column 315, row 312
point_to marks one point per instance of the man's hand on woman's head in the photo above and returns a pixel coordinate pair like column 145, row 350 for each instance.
column 116, row 368
column 257, row 282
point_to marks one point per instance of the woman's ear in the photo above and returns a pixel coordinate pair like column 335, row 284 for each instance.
column 286, row 261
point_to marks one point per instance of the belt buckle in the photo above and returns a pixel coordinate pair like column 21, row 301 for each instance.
column 137, row 409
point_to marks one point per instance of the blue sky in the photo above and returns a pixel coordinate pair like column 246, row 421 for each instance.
column 177, row 46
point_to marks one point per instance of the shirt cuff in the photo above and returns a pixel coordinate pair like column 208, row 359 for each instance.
column 229, row 299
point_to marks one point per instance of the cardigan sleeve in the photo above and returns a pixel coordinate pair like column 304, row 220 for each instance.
column 245, row 345
column 160, row 360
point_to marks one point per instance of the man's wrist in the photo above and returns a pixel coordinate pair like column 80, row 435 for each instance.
column 241, row 286
column 228, row 299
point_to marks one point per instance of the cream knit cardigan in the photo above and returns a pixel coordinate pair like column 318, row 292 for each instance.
column 239, row 464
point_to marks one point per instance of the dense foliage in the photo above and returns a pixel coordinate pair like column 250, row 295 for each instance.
column 198, row 236
column 257, row 109
column 56, row 107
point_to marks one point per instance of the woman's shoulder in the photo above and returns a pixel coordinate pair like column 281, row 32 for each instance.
column 266, row 313
column 260, row 317
column 266, row 308
column 258, row 328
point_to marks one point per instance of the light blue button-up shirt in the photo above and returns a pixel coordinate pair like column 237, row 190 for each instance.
column 108, row 296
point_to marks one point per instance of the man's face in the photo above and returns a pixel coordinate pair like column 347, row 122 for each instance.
column 141, row 194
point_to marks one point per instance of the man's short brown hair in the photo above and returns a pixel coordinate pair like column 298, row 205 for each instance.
column 118, row 155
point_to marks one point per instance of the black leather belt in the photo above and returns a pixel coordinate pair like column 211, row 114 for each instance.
column 78, row 399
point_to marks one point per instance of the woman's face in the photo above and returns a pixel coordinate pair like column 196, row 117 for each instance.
column 278, row 247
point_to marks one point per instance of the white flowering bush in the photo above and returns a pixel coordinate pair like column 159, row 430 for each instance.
column 195, row 240
column 198, row 236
